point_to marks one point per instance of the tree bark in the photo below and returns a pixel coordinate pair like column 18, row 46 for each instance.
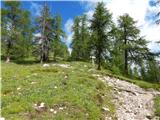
column 126, row 62
column 99, row 60
column 8, row 52
column 8, row 59
column 126, row 58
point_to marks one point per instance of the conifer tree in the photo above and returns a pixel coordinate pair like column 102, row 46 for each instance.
column 16, row 30
column 76, row 40
column 58, row 46
column 100, row 27
column 133, row 45
column 80, row 44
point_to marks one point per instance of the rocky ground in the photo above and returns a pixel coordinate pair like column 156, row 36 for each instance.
column 132, row 102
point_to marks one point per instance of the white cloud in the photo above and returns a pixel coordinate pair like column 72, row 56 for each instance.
column 70, row 50
column 151, row 32
column 35, row 8
column 68, row 29
column 139, row 10
column 68, row 25
column 135, row 8
column 37, row 35
column 89, row 14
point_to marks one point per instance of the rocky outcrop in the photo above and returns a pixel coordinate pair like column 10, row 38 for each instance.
column 131, row 101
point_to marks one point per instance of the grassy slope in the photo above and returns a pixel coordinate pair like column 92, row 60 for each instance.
column 81, row 93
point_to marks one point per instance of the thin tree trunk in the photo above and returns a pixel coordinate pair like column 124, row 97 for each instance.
column 99, row 60
column 126, row 62
column 41, row 54
column 126, row 58
column 8, row 59
column 8, row 52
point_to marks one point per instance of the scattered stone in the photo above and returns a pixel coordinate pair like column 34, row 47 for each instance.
column 149, row 117
column 55, row 112
column 40, row 107
column 105, row 109
column 87, row 114
column 45, row 65
column 33, row 83
column 108, row 118
column 65, row 77
column 18, row 88
column 51, row 110
column 61, row 108
column 62, row 65
column 2, row 118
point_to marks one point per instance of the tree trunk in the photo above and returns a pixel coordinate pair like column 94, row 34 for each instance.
column 99, row 66
column 99, row 60
column 126, row 62
column 8, row 52
column 8, row 59
column 126, row 58
column 41, row 54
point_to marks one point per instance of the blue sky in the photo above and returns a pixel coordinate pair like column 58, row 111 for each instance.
column 143, row 11
column 65, row 9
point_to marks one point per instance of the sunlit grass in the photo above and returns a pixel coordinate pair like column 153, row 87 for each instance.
column 74, row 88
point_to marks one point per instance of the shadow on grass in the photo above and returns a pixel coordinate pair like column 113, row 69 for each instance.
column 26, row 62
column 33, row 61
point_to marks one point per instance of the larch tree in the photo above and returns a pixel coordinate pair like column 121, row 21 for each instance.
column 76, row 39
column 85, row 38
column 16, row 30
column 100, row 27
column 58, row 46
column 80, row 44
column 133, row 45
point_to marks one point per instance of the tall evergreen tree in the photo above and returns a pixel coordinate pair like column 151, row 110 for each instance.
column 16, row 30
column 80, row 44
column 100, row 26
column 134, row 47
column 85, row 38
column 58, row 46
column 76, row 40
